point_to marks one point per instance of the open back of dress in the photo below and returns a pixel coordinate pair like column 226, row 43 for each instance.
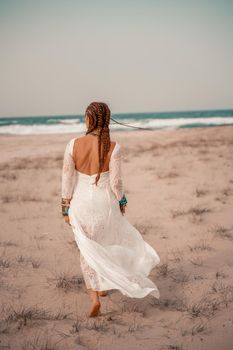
column 86, row 157
column 113, row 254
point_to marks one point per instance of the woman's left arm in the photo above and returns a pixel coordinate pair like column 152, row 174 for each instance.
column 68, row 178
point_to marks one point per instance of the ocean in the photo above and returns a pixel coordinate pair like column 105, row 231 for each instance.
column 76, row 123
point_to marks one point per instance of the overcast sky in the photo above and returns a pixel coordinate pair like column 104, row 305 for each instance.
column 137, row 56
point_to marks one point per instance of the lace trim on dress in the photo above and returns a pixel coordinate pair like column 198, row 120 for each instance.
column 115, row 172
column 90, row 276
column 68, row 172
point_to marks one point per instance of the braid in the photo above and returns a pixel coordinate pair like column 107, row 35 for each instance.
column 99, row 117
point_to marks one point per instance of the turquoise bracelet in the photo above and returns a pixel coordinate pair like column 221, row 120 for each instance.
column 66, row 211
column 123, row 200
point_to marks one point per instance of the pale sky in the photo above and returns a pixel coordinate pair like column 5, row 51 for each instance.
column 137, row 56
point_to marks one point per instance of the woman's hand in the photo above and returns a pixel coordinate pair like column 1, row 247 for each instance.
column 122, row 208
column 67, row 219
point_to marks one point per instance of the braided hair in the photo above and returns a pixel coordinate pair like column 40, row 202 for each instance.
column 99, row 117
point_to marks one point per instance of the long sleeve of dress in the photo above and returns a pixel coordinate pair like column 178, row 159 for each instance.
column 68, row 172
column 115, row 163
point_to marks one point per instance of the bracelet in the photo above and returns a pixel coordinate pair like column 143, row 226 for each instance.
column 123, row 200
column 65, row 201
column 65, row 209
column 65, row 204
column 65, row 212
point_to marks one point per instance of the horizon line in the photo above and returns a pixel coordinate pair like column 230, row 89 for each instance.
column 119, row 113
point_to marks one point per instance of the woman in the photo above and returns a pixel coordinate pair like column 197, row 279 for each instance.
column 113, row 254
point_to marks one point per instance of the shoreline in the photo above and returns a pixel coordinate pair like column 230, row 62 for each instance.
column 112, row 132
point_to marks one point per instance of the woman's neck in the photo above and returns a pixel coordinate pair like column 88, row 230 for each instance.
column 95, row 132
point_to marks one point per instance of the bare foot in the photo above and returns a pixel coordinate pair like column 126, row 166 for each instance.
column 103, row 293
column 95, row 310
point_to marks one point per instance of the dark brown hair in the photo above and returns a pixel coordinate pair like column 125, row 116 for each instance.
column 99, row 115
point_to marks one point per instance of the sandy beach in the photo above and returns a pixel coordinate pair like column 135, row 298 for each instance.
column 179, row 185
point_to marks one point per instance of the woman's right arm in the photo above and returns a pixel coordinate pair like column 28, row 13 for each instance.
column 116, row 182
column 68, row 177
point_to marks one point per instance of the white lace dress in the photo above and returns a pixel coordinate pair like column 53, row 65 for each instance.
column 113, row 254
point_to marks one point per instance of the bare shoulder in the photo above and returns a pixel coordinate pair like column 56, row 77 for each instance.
column 77, row 144
column 79, row 140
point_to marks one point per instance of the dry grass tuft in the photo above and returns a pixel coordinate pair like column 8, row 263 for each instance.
column 218, row 297
column 174, row 347
column 220, row 274
column 169, row 175
column 98, row 325
column 200, row 246
column 227, row 191
column 198, row 210
column 220, row 288
column 8, row 198
column 34, row 313
column 132, row 307
column 196, row 261
column 8, row 244
column 23, row 259
column 195, row 212
column 134, row 325
column 222, row 232
column 106, row 324
column 67, row 282
column 4, row 263
column 200, row 327
column 179, row 276
column 22, row 315
column 204, row 307
column 163, row 269
column 7, row 175
column 77, row 325
column 177, row 255
column 200, row 192
column 35, row 263
column 170, row 304
column 143, row 229
column 25, row 197
column 178, row 212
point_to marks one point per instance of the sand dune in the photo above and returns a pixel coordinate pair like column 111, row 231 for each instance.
column 179, row 186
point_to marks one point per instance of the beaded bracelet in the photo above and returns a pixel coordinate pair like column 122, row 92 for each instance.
column 123, row 200
column 65, row 201
column 65, row 212
column 65, row 204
